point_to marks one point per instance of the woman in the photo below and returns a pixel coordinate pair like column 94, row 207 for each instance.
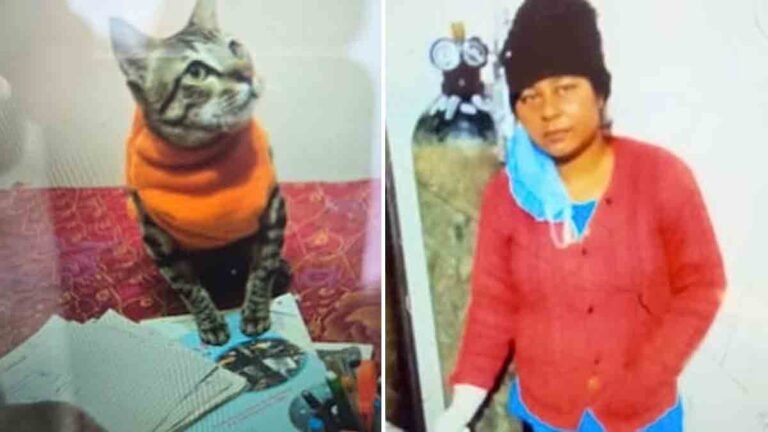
column 596, row 264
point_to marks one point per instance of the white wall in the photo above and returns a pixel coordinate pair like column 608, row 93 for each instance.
column 690, row 75
column 320, row 61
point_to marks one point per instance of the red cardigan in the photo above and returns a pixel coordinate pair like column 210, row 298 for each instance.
column 605, row 324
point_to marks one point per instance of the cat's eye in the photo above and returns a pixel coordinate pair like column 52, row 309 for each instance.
column 198, row 71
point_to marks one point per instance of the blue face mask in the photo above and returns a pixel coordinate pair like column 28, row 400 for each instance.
column 536, row 186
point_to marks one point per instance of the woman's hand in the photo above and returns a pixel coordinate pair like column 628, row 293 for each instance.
column 449, row 421
column 466, row 401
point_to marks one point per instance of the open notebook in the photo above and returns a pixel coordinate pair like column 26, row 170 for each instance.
column 127, row 377
column 279, row 366
column 159, row 376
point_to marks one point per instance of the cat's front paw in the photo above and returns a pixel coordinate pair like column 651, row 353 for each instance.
column 254, row 326
column 217, row 334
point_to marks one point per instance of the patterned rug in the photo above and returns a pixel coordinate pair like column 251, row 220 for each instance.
column 76, row 253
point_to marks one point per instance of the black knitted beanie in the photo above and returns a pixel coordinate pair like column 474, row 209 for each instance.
column 554, row 37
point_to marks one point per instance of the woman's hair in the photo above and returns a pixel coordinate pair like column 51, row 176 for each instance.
column 554, row 37
column 606, row 122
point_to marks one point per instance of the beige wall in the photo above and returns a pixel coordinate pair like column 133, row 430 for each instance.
column 320, row 61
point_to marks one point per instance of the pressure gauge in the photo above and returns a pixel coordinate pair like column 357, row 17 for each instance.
column 475, row 53
column 445, row 54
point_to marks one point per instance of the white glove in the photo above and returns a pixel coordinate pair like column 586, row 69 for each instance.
column 466, row 401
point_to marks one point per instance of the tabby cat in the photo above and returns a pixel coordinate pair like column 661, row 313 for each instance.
column 194, row 89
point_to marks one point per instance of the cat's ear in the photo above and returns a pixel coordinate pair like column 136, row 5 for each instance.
column 132, row 48
column 204, row 15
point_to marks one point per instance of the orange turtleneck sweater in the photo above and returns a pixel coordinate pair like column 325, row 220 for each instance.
column 205, row 198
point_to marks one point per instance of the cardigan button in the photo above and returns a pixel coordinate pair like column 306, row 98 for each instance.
column 609, row 200
column 593, row 384
column 583, row 251
column 590, row 309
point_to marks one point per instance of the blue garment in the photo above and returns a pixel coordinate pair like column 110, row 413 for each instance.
column 581, row 215
column 534, row 181
column 671, row 421
column 537, row 188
